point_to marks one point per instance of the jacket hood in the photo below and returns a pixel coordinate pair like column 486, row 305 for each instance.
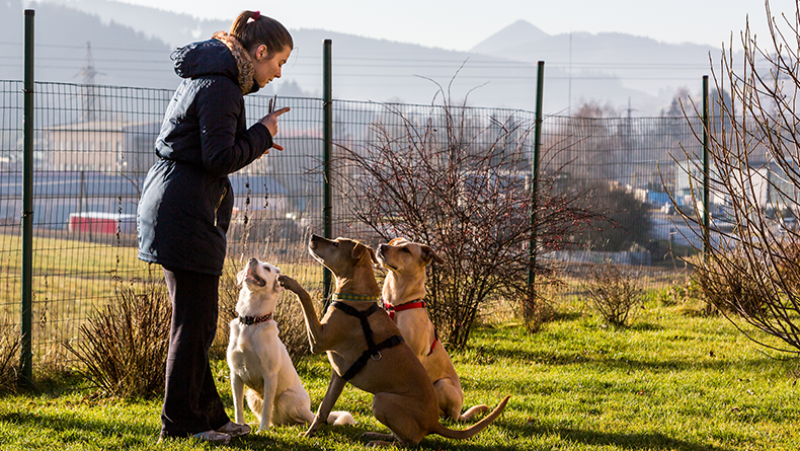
column 221, row 55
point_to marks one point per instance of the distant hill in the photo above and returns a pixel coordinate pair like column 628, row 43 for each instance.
column 644, row 64
column 172, row 28
column 131, row 46
column 518, row 33
column 122, row 55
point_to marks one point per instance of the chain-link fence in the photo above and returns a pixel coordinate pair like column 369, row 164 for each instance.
column 93, row 146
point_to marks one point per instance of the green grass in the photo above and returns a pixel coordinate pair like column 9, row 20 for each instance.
column 670, row 382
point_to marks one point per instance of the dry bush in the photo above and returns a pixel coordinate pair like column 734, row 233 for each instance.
column 292, row 326
column 9, row 347
column 750, row 270
column 727, row 283
column 459, row 181
column 124, row 345
column 228, row 295
column 690, row 299
column 615, row 293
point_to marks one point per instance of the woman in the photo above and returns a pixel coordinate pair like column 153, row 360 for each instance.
column 187, row 202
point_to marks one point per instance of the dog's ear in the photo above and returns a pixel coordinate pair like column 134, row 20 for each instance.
column 373, row 256
column 429, row 255
column 240, row 277
column 358, row 252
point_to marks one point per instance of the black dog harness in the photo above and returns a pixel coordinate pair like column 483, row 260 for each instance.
column 373, row 350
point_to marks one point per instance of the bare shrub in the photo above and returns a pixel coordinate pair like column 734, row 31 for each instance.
column 124, row 345
column 9, row 347
column 689, row 298
column 228, row 296
column 728, row 286
column 615, row 293
column 292, row 327
column 750, row 269
column 461, row 183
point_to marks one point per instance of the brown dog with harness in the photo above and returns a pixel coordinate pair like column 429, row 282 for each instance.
column 364, row 345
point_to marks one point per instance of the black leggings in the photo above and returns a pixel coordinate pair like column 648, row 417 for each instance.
column 191, row 402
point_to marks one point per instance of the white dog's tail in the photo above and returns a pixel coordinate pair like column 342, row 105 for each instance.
column 340, row 418
column 255, row 402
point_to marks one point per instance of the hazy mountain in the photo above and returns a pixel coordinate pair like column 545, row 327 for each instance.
column 518, row 33
column 172, row 28
column 122, row 56
column 641, row 63
column 130, row 46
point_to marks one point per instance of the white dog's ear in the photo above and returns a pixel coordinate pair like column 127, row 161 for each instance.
column 240, row 277
column 429, row 255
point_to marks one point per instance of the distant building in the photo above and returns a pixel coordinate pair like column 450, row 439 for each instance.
column 59, row 197
column 109, row 147
column 767, row 186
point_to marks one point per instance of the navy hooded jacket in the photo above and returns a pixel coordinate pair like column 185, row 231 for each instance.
column 187, row 200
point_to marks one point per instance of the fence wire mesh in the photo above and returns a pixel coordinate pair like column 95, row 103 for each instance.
column 93, row 146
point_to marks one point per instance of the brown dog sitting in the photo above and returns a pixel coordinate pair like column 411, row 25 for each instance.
column 365, row 348
column 403, row 296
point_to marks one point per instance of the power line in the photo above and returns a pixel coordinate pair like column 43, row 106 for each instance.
column 642, row 67
column 79, row 47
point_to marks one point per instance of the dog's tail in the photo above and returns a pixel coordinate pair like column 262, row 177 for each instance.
column 475, row 428
column 255, row 402
column 340, row 418
column 475, row 410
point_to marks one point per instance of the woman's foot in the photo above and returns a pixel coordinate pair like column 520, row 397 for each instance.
column 234, row 429
column 217, row 438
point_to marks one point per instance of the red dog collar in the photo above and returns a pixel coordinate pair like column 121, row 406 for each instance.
column 391, row 310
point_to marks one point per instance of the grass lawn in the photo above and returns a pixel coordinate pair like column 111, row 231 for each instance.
column 670, row 382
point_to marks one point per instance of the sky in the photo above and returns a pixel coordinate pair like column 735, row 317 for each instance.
column 461, row 24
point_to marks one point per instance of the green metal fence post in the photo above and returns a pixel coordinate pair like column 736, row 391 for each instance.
column 537, row 147
column 327, row 136
column 706, row 203
column 26, row 326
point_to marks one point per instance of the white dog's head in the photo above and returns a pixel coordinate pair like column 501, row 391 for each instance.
column 258, row 283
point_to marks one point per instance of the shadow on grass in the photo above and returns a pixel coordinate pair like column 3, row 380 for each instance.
column 632, row 441
column 488, row 355
column 645, row 327
column 350, row 436
column 64, row 424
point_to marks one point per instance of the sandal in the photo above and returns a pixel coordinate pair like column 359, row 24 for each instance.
column 217, row 438
column 234, row 429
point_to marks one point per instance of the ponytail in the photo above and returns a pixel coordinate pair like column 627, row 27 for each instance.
column 261, row 30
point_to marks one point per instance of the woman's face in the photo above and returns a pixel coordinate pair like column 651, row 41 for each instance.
column 268, row 67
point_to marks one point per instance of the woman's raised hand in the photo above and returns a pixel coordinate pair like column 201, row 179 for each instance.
column 271, row 122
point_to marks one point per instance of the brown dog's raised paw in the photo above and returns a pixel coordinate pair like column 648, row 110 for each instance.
column 289, row 283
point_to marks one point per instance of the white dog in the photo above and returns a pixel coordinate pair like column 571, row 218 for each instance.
column 258, row 359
